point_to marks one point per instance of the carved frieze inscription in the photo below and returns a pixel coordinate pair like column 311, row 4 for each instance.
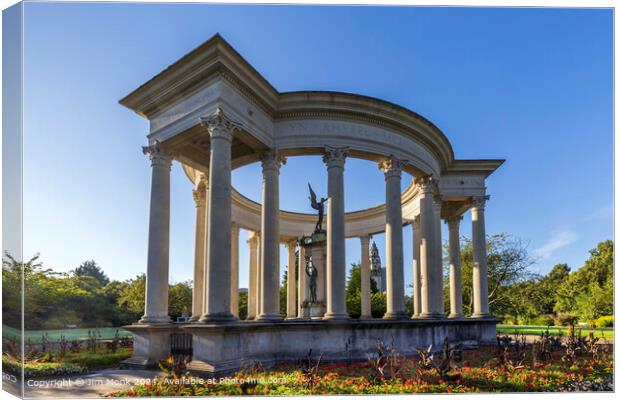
column 356, row 135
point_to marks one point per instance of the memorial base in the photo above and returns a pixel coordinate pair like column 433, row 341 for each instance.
column 313, row 310
column 221, row 349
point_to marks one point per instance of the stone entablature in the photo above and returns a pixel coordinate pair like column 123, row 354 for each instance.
column 215, row 75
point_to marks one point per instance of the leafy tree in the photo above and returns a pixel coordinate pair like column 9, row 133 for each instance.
column 588, row 292
column 354, row 290
column 179, row 299
column 243, row 305
column 378, row 304
column 283, row 289
column 52, row 300
column 12, row 273
column 508, row 263
column 90, row 268
column 548, row 286
column 131, row 295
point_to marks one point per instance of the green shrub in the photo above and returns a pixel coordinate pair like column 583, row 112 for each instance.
column 40, row 369
column 564, row 319
column 99, row 359
column 542, row 320
column 606, row 321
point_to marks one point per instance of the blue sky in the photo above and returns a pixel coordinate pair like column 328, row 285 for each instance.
column 533, row 86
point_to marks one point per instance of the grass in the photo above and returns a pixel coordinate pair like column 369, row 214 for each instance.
column 54, row 334
column 607, row 333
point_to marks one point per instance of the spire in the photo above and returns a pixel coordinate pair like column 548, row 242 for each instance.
column 375, row 259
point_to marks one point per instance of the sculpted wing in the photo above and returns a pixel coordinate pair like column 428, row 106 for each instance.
column 312, row 197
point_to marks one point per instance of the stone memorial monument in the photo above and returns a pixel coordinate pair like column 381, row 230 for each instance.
column 211, row 112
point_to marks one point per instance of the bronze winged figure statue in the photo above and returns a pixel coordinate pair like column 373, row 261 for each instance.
column 319, row 206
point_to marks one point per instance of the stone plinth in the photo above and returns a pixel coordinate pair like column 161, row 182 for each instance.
column 151, row 344
column 316, row 246
column 313, row 310
column 221, row 349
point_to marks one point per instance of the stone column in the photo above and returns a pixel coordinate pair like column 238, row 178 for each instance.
column 417, row 305
column 478, row 234
column 428, row 278
column 157, row 264
column 302, row 289
column 253, row 274
column 259, row 275
column 438, row 271
column 206, row 248
column 365, row 267
column 217, row 276
column 199, row 250
column 270, row 237
column 334, row 158
column 234, row 270
column 395, row 282
column 291, row 283
column 456, row 290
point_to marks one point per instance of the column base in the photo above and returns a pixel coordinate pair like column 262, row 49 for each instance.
column 429, row 315
column 395, row 315
column 219, row 317
column 334, row 316
column 269, row 317
column 151, row 344
column 365, row 316
column 456, row 315
column 194, row 318
column 482, row 315
column 155, row 320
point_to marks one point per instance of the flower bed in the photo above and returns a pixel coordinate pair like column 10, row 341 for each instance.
column 490, row 369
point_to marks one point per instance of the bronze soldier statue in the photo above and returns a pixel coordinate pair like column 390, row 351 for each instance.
column 312, row 272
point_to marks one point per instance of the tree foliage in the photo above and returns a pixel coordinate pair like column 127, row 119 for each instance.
column 91, row 269
column 354, row 294
column 508, row 263
column 588, row 292
column 84, row 297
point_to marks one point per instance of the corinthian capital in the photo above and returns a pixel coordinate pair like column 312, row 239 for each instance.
column 252, row 238
column 200, row 191
column 479, row 201
column 426, row 183
column 219, row 125
column 157, row 154
column 291, row 244
column 271, row 160
column 392, row 167
column 453, row 221
column 335, row 156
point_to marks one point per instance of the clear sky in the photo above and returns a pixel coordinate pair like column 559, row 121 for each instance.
column 533, row 86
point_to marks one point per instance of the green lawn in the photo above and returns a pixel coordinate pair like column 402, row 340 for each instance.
column 108, row 333
column 607, row 333
column 54, row 335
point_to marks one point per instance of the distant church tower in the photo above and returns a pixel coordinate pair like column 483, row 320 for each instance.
column 376, row 272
